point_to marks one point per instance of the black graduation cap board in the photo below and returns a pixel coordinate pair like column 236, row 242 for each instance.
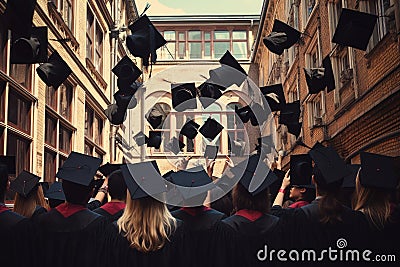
column 140, row 138
column 300, row 170
column 319, row 78
column 274, row 96
column 210, row 129
column 18, row 16
column 282, row 37
column 354, row 28
column 30, row 50
column 24, row 183
column 211, row 152
column 184, row 96
column 109, row 168
column 189, row 129
column 55, row 71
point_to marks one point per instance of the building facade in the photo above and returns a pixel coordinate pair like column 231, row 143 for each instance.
column 41, row 125
column 194, row 46
column 362, row 113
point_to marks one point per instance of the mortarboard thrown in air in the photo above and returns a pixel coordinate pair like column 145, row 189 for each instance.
column 295, row 128
column 143, row 179
column 378, row 171
column 244, row 113
column 79, row 168
column 257, row 114
column 301, row 170
column 109, row 168
column 354, row 28
column 190, row 129
column 9, row 162
column 282, row 37
column 55, row 71
column 210, row 129
column 208, row 93
column 140, row 138
column 115, row 114
column 211, row 152
column 24, row 183
column 274, row 96
column 127, row 73
column 18, row 16
column 157, row 115
column 154, row 139
column 184, row 96
column 290, row 113
column 319, row 78
column 174, row 145
column 144, row 40
column 30, row 50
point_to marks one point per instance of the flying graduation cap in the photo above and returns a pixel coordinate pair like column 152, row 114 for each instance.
column 209, row 93
column 210, row 129
column 274, row 95
column 282, row 37
column 354, row 28
column 157, row 115
column 290, row 113
column 230, row 72
column 140, row 138
column 174, row 145
column 144, row 40
column 189, row 129
column 30, row 50
column 127, row 73
column 301, row 170
column 319, row 78
column 18, row 17
column 211, row 152
column 184, row 96
column 55, row 71
column 154, row 139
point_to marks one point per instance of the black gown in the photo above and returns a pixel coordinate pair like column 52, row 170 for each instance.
column 76, row 240
column 119, row 253
column 111, row 210
column 16, row 239
column 238, row 239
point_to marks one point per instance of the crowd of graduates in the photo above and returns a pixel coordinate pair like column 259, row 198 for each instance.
column 136, row 227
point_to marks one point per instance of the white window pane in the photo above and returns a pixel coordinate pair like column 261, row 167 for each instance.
column 194, row 50
column 194, row 35
column 220, row 48
column 169, row 35
column 239, row 35
column 240, row 50
column 221, row 35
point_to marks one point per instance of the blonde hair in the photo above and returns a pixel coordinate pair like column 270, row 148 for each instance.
column 374, row 203
column 26, row 206
column 146, row 223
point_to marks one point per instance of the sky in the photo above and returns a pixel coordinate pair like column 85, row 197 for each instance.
column 200, row 7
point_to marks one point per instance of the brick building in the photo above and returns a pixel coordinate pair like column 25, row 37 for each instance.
column 41, row 125
column 363, row 112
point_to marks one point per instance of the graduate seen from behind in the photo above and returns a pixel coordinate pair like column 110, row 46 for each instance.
column 71, row 234
column 146, row 234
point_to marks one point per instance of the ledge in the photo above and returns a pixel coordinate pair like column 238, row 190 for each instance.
column 97, row 76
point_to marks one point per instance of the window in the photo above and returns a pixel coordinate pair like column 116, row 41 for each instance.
column 65, row 8
column 19, row 110
column 334, row 11
column 2, row 100
column 94, row 124
column 315, row 111
column 165, row 53
column 235, row 126
column 195, row 51
column 293, row 21
column 3, row 44
column 20, row 147
column 22, row 74
column 94, row 41
column 378, row 7
column 221, row 43
column 166, row 127
column 58, row 128
column 239, row 44
column 182, row 45
column 308, row 7
column 207, row 45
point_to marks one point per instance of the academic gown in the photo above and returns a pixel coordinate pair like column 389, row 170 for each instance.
column 119, row 253
column 111, row 210
column 199, row 223
column 16, row 239
column 240, row 237
column 38, row 211
column 70, row 235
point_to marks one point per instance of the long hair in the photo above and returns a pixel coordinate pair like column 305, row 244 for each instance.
column 330, row 208
column 242, row 199
column 26, row 206
column 374, row 203
column 146, row 223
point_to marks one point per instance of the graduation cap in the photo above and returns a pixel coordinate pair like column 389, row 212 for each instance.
column 295, row 128
column 143, row 179
column 378, row 171
column 301, row 170
column 24, row 183
column 228, row 74
column 125, row 99
column 290, row 113
column 354, row 28
column 210, row 129
column 156, row 116
column 174, row 145
column 9, row 162
column 275, row 186
column 189, row 129
column 115, row 114
column 109, row 168
column 211, row 152
column 127, row 72
column 154, row 139
column 192, row 182
column 349, row 180
column 144, row 40
column 183, row 96
column 79, row 168
column 209, row 93
column 274, row 96
column 237, row 147
column 55, row 191
column 319, row 78
column 140, row 138
column 18, row 16
column 243, row 113
column 257, row 114
column 255, row 175
column 30, row 50
column 282, row 37
column 55, row 71
column 45, row 186
column 329, row 163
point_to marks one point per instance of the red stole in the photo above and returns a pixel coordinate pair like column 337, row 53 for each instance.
column 194, row 211
column 113, row 207
column 251, row 215
column 68, row 209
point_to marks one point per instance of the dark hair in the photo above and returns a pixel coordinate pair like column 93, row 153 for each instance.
column 3, row 181
column 330, row 208
column 77, row 193
column 117, row 186
column 242, row 199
